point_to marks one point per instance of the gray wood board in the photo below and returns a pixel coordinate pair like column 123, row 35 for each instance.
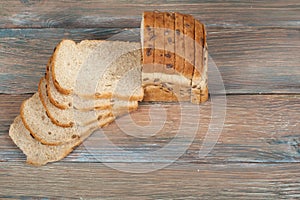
column 195, row 181
column 79, row 14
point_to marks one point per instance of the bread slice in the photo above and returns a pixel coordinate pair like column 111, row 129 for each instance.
column 36, row 120
column 37, row 153
column 189, row 45
column 199, row 92
column 169, row 43
column 63, row 101
column 69, row 117
column 148, row 37
column 159, row 42
column 179, row 43
column 76, row 69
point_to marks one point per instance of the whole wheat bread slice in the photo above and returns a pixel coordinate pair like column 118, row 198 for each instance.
column 36, row 120
column 76, row 69
column 69, row 117
column 37, row 153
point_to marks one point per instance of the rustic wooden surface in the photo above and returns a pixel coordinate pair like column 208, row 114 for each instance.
column 255, row 45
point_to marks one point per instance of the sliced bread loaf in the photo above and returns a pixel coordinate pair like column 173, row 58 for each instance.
column 181, row 84
column 166, row 81
column 77, row 69
column 36, row 120
column 69, row 117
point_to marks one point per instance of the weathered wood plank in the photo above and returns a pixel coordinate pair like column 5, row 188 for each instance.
column 257, row 129
column 24, row 53
column 250, row 60
column 112, row 13
column 195, row 181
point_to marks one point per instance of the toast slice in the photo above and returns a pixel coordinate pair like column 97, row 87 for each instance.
column 36, row 120
column 69, row 117
column 77, row 69
column 37, row 153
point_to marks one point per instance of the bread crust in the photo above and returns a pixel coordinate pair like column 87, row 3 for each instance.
column 62, row 90
column 68, row 119
column 28, row 141
column 156, row 93
column 159, row 41
column 49, row 93
column 52, row 118
column 179, row 43
column 189, row 46
column 148, row 41
column 53, row 74
column 199, row 63
column 199, row 44
column 169, row 43
column 71, row 133
column 200, row 96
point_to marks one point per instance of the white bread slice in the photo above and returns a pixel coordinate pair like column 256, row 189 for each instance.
column 109, row 59
column 35, row 119
column 69, row 117
column 37, row 153
column 63, row 101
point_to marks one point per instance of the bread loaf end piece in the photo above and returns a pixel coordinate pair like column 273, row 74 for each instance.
column 199, row 92
column 37, row 153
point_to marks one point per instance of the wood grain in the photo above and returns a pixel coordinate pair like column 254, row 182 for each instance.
column 269, row 122
column 194, row 181
column 250, row 60
column 112, row 13
column 255, row 45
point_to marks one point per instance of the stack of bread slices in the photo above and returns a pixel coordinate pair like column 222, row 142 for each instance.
column 175, row 57
column 67, row 108
column 88, row 84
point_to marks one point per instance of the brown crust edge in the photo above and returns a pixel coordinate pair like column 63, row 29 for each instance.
column 55, row 82
column 48, row 77
column 30, row 130
column 51, row 117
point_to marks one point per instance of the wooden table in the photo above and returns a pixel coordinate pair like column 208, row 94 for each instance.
column 255, row 45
